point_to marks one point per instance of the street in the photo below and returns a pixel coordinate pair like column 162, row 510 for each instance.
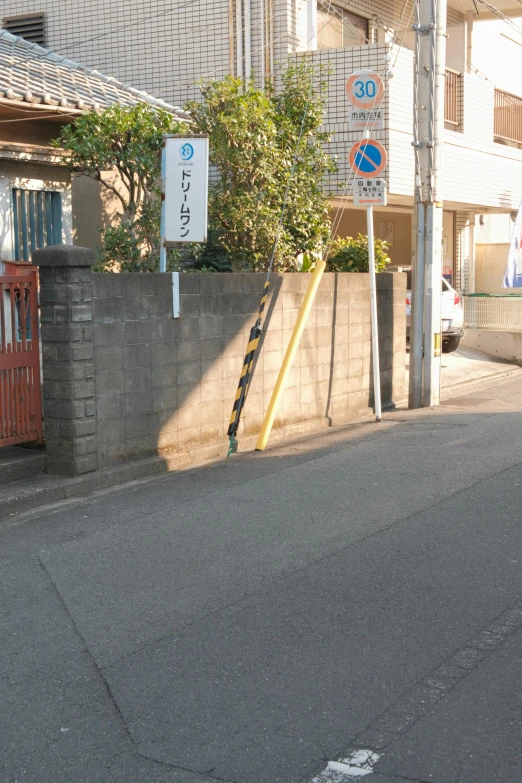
column 256, row 621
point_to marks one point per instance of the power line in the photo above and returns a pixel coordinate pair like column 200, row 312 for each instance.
column 502, row 16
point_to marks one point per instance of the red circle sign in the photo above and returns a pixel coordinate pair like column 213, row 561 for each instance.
column 368, row 158
column 365, row 89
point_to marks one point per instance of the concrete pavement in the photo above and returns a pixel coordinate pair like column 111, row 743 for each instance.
column 467, row 366
column 358, row 590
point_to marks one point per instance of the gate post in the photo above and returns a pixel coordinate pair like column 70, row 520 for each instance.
column 68, row 358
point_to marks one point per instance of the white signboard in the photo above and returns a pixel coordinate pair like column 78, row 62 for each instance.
column 363, row 119
column 369, row 193
column 186, row 189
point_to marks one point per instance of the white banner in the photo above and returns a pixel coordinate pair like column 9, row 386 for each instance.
column 185, row 186
column 513, row 276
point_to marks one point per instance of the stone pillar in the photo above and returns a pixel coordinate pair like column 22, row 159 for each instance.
column 68, row 358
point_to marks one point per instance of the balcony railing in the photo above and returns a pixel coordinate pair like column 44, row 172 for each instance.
column 493, row 312
column 508, row 116
column 451, row 97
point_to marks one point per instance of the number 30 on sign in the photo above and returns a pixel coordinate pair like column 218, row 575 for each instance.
column 365, row 89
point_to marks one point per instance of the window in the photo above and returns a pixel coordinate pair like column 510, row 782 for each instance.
column 37, row 221
column 29, row 26
column 337, row 27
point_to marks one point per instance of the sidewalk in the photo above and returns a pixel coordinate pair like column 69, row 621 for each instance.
column 251, row 622
column 466, row 367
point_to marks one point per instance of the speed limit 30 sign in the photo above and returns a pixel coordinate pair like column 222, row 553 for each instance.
column 365, row 91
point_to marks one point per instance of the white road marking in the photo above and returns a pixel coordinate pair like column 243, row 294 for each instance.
column 356, row 765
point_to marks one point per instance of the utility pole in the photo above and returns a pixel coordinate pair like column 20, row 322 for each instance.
column 425, row 326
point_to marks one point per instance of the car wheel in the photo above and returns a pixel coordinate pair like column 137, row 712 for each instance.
column 450, row 344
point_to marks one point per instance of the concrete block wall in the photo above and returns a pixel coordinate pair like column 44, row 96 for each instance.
column 164, row 385
column 123, row 380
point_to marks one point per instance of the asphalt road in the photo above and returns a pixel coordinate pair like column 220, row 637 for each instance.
column 269, row 620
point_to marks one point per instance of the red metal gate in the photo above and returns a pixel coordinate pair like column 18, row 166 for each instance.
column 20, row 401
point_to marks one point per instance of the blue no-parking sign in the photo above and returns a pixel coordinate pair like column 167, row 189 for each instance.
column 368, row 158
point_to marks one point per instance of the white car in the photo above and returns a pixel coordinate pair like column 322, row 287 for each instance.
column 452, row 315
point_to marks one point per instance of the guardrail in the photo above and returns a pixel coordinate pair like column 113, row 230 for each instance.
column 508, row 116
column 493, row 312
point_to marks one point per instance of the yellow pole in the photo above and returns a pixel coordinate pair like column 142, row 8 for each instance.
column 300, row 324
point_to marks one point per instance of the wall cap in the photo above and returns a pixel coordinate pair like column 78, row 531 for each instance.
column 64, row 256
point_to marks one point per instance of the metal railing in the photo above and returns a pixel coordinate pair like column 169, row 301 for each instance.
column 493, row 312
column 508, row 116
column 451, row 97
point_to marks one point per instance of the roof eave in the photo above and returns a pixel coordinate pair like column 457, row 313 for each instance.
column 40, row 107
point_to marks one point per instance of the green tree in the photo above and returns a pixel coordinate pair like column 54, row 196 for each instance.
column 351, row 255
column 126, row 139
column 253, row 138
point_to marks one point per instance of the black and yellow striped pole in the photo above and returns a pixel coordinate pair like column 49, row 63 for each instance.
column 246, row 372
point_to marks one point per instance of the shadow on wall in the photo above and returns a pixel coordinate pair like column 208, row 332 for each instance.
column 94, row 207
column 165, row 386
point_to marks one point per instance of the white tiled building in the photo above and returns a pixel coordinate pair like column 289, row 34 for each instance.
column 166, row 46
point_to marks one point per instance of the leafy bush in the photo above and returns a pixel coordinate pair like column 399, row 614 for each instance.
column 253, row 137
column 351, row 255
column 258, row 140
column 126, row 139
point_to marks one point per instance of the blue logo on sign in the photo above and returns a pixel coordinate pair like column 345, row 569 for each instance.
column 186, row 151
column 368, row 159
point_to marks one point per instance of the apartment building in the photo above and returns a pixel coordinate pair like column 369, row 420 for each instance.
column 167, row 46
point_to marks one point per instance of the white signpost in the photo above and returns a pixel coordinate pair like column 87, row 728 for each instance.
column 365, row 90
column 184, row 172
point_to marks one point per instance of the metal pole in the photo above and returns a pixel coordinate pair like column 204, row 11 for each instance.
column 373, row 315
column 163, row 249
column 262, row 53
column 239, row 39
column 311, row 25
column 469, row 41
column 434, row 212
column 248, row 40
column 313, row 285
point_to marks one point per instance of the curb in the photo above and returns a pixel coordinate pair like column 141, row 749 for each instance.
column 478, row 382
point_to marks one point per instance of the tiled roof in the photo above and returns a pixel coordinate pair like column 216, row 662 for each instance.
column 31, row 74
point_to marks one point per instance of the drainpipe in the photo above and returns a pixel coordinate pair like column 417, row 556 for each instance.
column 469, row 41
column 248, row 40
column 311, row 36
column 239, row 39
column 271, row 38
column 262, row 53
